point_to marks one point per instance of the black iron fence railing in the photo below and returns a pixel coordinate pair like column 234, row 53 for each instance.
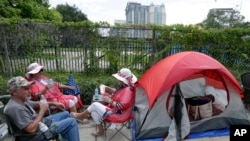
column 69, row 49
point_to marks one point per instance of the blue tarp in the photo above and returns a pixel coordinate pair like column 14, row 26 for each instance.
column 211, row 133
column 158, row 139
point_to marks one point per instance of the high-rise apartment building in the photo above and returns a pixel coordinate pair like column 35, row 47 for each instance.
column 137, row 14
column 142, row 14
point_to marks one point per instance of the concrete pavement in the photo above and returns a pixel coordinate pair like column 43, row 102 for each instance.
column 85, row 131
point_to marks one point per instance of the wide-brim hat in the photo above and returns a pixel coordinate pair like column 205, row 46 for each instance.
column 33, row 69
column 125, row 76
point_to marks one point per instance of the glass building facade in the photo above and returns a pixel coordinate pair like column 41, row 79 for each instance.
column 142, row 14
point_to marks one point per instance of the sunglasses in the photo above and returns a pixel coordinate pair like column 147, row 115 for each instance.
column 40, row 71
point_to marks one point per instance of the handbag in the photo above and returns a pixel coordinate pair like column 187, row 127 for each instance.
column 200, row 107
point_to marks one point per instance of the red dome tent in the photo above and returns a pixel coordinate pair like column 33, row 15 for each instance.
column 193, row 71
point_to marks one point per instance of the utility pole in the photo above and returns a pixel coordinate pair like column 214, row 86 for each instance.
column 215, row 6
column 240, row 6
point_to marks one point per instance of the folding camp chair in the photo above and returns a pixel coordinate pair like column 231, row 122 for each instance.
column 15, row 134
column 3, row 125
column 245, row 80
column 124, row 121
column 6, row 120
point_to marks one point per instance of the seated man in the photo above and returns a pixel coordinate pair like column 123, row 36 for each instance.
column 22, row 115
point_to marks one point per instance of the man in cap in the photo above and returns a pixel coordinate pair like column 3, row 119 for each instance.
column 25, row 120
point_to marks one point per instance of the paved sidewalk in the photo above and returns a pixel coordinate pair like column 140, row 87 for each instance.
column 86, row 130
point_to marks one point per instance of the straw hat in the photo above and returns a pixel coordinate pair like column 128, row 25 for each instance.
column 125, row 76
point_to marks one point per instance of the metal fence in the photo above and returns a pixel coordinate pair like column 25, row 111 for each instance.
column 69, row 49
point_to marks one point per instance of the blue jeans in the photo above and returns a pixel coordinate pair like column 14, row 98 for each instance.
column 64, row 125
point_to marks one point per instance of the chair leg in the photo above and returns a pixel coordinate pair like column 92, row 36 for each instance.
column 106, row 126
column 118, row 130
column 13, row 138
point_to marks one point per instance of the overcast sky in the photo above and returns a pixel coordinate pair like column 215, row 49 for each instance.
column 177, row 11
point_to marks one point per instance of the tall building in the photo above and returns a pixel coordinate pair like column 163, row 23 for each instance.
column 142, row 14
column 157, row 14
column 137, row 14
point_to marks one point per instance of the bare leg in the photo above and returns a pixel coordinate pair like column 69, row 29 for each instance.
column 100, row 130
column 73, row 109
column 85, row 120
column 80, row 116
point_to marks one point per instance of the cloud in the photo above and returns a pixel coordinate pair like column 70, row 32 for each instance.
column 177, row 11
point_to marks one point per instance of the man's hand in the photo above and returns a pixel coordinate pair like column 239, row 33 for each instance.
column 44, row 107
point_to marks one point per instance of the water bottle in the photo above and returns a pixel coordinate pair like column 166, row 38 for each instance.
column 51, row 82
column 102, row 88
column 96, row 94
column 43, row 99
column 45, row 130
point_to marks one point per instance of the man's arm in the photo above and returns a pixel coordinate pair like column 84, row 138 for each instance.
column 32, row 127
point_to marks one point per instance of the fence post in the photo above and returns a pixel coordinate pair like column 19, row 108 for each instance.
column 6, row 52
column 152, row 60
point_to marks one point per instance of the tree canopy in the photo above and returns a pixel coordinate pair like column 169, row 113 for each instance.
column 71, row 13
column 223, row 17
column 30, row 9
